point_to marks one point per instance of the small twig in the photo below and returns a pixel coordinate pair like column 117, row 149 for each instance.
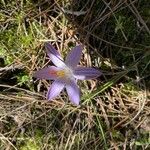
column 12, row 67
column 76, row 13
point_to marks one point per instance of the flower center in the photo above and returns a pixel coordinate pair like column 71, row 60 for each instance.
column 66, row 73
column 61, row 73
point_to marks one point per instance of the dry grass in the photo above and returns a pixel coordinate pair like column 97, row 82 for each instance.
column 114, row 110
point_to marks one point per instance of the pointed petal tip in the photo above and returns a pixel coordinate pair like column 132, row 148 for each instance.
column 47, row 43
column 50, row 48
column 99, row 73
column 86, row 73
column 74, row 101
column 74, row 56
column 77, row 103
column 54, row 55
column 36, row 74
column 48, row 99
column 80, row 46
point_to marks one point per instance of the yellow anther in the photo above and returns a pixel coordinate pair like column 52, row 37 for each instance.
column 61, row 73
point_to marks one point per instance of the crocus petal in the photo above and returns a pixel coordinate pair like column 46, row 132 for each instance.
column 49, row 73
column 54, row 55
column 74, row 56
column 85, row 73
column 55, row 89
column 73, row 92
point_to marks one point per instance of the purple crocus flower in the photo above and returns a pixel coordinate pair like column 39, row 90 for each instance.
column 65, row 73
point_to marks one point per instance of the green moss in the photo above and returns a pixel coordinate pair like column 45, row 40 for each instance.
column 31, row 142
column 143, row 140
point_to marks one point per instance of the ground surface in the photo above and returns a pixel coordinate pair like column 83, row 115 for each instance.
column 114, row 111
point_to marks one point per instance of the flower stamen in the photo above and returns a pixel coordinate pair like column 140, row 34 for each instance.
column 61, row 73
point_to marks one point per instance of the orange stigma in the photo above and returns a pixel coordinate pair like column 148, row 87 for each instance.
column 59, row 73
column 53, row 72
